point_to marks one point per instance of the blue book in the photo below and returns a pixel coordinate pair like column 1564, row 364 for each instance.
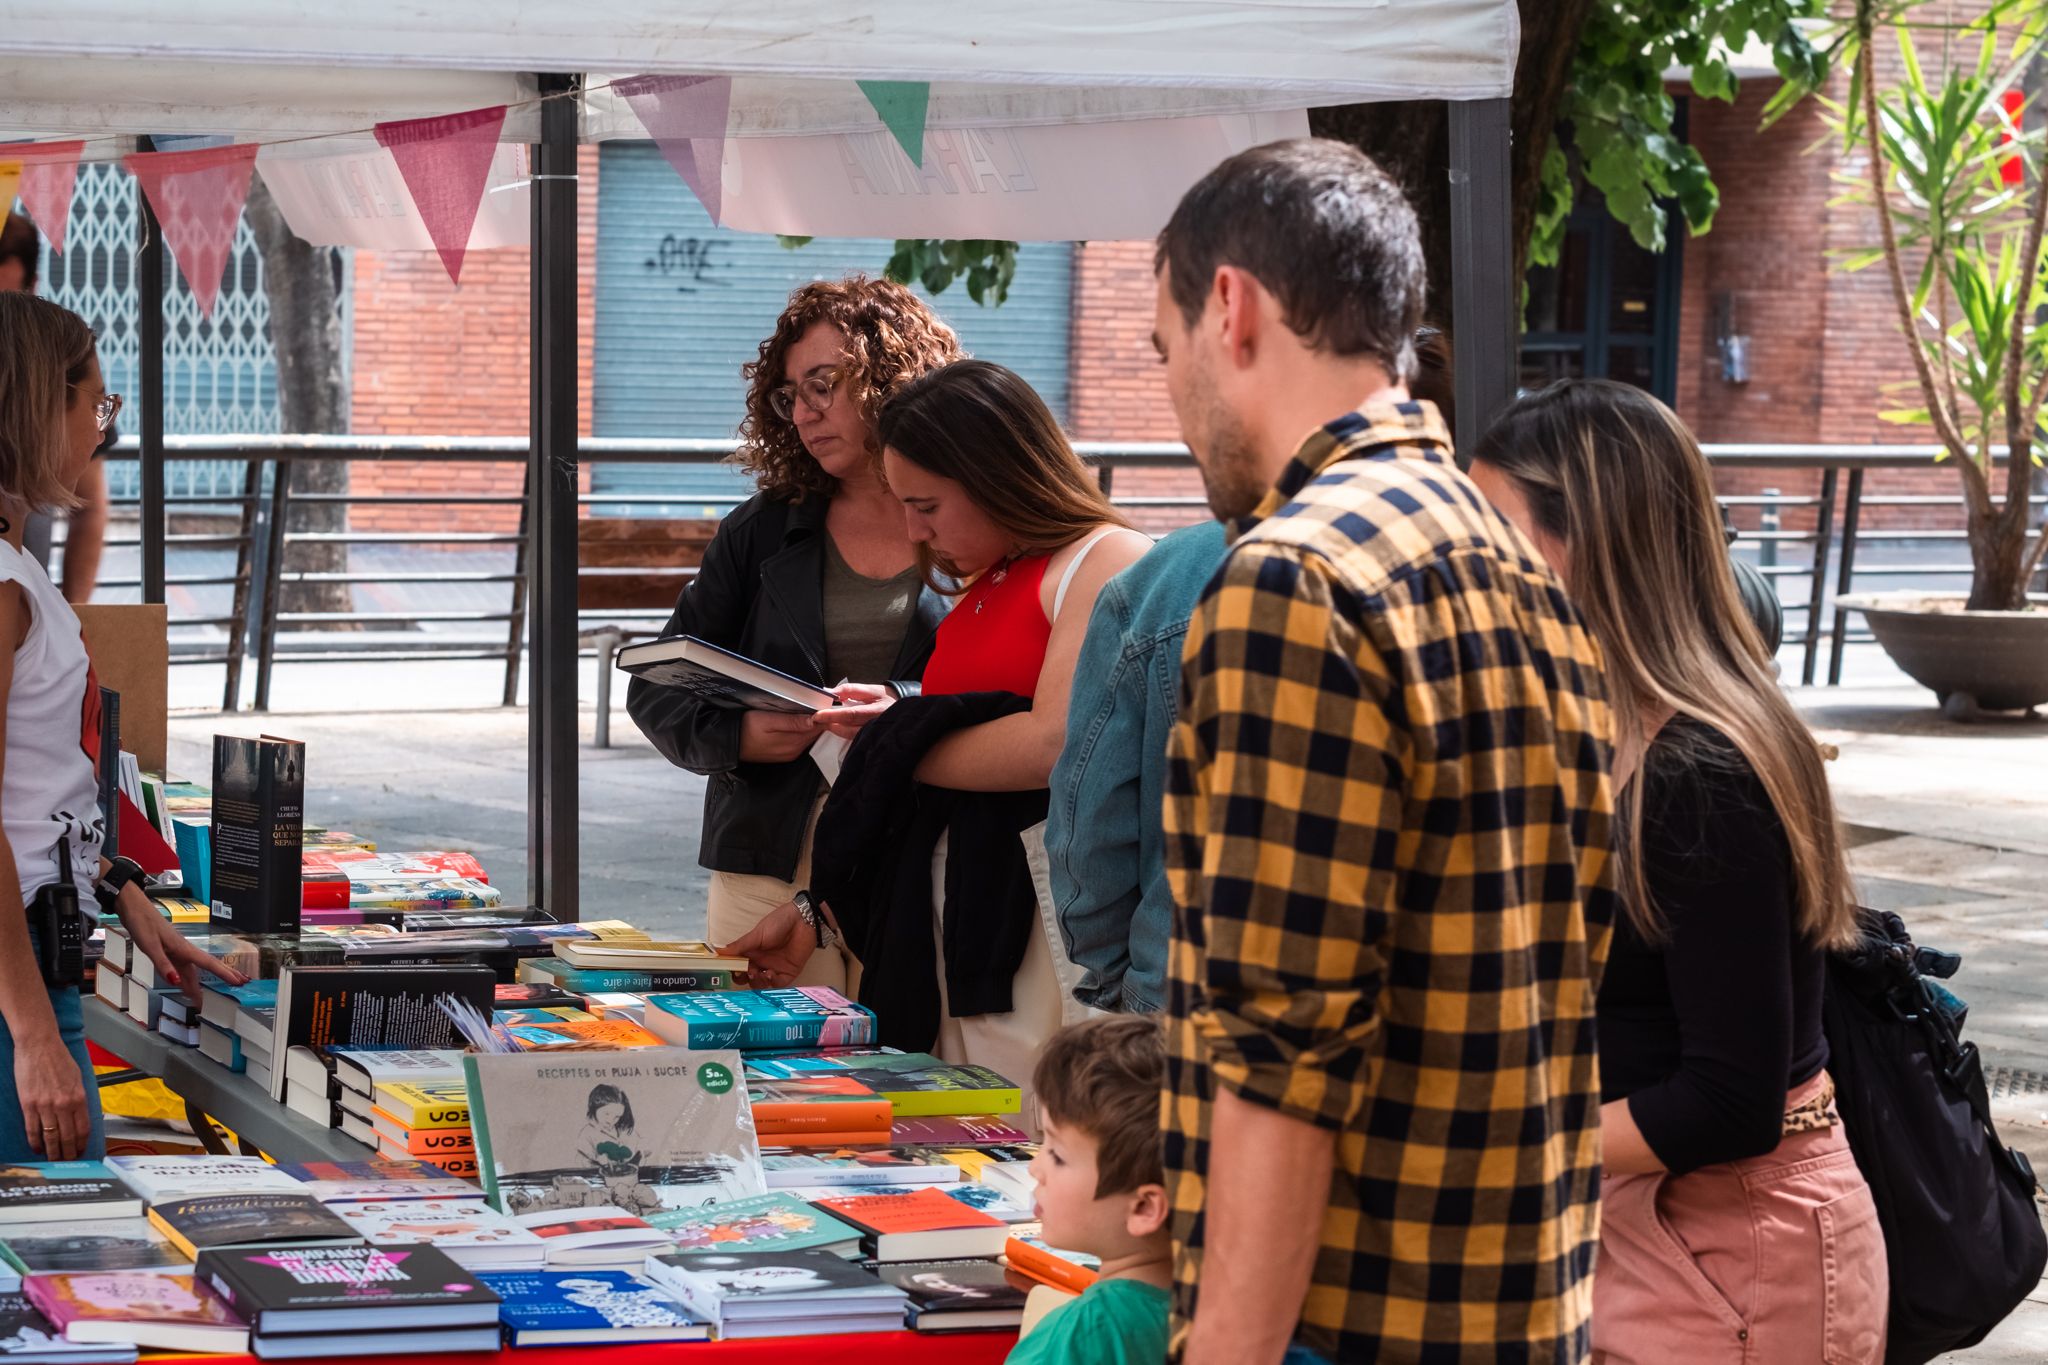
column 223, row 1045
column 801, row 1017
column 222, row 1002
column 195, row 855
column 597, row 1307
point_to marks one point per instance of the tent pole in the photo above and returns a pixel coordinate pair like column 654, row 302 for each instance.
column 551, row 713
column 149, row 286
column 1485, row 296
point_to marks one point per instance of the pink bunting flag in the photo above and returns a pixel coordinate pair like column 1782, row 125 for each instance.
column 446, row 163
column 198, row 197
column 49, row 174
column 686, row 115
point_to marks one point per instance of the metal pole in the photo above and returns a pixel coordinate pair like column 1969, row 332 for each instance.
column 149, row 285
column 1852, row 522
column 1823, row 539
column 551, row 482
column 273, row 579
column 1485, row 297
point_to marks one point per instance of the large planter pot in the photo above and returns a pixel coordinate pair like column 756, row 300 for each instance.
column 1973, row 660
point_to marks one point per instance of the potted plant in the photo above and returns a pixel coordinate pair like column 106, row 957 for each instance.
column 1961, row 243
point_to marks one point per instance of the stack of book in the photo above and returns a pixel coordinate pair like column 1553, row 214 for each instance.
column 268, row 1220
column 957, row 1296
column 779, row 1293
column 918, row 1225
column 428, row 1121
column 475, row 1235
column 800, row 1017
column 776, row 1221
column 330, row 1303
column 588, row 1308
column 26, row 1336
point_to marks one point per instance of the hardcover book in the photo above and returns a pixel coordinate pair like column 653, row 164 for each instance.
column 380, row 1182
column 920, row 1225
column 721, row 677
column 642, row 1130
column 786, row 1292
column 98, row 1244
column 957, row 1296
column 161, row 1178
column 365, row 1006
column 958, row 1131
column 686, row 955
column 258, row 818
column 916, row 1084
column 588, row 1307
column 598, row 1236
column 766, row 1222
column 348, row 1289
column 804, row 1016
column 171, row 1312
column 591, row 1034
column 239, row 1220
column 29, row 1338
column 45, row 1191
column 475, row 1235
column 363, row 1069
column 854, row 1166
column 588, row 981
column 436, row 1104
column 820, row 1103
column 1028, row 1253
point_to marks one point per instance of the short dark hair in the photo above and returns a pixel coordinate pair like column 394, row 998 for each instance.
column 1434, row 378
column 1325, row 231
column 19, row 242
column 1103, row 1076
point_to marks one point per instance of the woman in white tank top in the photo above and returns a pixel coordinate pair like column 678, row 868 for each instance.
column 53, row 408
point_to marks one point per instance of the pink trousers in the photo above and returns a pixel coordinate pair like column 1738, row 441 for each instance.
column 1772, row 1260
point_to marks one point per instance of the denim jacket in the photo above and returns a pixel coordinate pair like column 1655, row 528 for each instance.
column 1104, row 836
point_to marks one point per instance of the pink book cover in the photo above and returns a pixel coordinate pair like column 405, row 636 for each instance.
column 846, row 1025
column 65, row 1299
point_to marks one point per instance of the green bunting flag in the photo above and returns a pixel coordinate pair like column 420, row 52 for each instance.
column 901, row 105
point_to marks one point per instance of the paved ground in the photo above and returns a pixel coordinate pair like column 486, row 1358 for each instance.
column 1949, row 823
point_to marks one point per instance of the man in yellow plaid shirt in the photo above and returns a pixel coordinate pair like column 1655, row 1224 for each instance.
column 1387, row 824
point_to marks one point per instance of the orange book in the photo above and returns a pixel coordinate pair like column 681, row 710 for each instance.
column 1042, row 1263
column 462, row 1164
column 785, row 1106
column 920, row 1224
column 422, row 1141
column 808, row 1138
column 588, row 1033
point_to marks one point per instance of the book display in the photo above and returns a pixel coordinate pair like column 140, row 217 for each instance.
column 566, row 1135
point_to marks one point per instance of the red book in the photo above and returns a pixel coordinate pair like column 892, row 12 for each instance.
column 923, row 1225
column 353, row 863
column 787, row 1107
column 141, row 841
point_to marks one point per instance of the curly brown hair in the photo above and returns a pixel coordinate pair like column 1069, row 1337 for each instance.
column 892, row 338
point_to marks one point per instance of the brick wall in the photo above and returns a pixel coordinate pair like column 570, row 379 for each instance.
column 436, row 359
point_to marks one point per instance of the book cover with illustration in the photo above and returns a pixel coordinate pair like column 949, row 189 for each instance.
column 588, row 1307
column 954, row 1287
column 767, row 1222
column 282, row 1290
column 785, row 1286
column 103, row 1244
column 802, row 1016
column 473, row 1234
column 235, row 1220
column 30, row 1338
column 916, row 1084
column 566, row 1035
column 817, row 1103
column 175, row 1312
column 643, row 1130
column 40, row 1191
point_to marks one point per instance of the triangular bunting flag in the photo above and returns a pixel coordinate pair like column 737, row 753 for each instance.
column 446, row 163
column 902, row 106
column 198, row 197
column 685, row 115
column 49, row 173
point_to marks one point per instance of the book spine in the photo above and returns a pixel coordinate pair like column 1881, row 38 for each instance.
column 866, row 1137
column 808, row 1116
column 487, row 1166
column 924, row 1104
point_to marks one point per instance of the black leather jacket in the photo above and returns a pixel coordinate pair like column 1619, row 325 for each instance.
column 759, row 592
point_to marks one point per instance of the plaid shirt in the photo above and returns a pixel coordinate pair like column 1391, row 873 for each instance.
column 1387, row 819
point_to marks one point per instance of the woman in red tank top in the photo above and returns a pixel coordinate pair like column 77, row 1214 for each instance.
column 1005, row 515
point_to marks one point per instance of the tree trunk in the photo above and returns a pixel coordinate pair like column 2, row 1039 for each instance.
column 1998, row 555
column 1410, row 139
column 305, row 331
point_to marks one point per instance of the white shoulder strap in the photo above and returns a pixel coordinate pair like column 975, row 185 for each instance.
column 1059, row 595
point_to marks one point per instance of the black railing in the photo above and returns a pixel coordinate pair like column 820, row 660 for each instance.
column 261, row 537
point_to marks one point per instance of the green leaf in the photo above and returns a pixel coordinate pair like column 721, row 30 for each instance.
column 791, row 243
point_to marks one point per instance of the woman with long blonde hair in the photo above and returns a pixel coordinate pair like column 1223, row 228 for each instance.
column 1734, row 1222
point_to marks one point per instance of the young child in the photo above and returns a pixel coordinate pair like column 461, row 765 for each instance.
column 1101, row 1190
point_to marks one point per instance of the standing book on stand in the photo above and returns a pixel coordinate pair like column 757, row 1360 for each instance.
column 258, row 828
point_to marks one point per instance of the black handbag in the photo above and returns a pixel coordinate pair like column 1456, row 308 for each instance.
column 1961, row 1232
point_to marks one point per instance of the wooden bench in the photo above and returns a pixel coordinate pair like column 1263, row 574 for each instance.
column 631, row 564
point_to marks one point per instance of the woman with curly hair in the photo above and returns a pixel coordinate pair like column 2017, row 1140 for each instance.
column 814, row 575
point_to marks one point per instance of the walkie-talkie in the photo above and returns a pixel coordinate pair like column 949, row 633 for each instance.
column 60, row 929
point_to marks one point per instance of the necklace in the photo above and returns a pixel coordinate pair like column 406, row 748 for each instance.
column 1002, row 572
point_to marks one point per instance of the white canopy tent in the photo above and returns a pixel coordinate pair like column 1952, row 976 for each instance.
column 1109, row 80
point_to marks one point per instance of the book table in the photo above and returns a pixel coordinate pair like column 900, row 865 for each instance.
column 863, row 1348
column 244, row 1107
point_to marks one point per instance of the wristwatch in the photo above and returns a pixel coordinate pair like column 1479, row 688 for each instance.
column 807, row 910
column 120, row 872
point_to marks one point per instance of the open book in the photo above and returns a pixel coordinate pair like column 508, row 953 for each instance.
column 722, row 677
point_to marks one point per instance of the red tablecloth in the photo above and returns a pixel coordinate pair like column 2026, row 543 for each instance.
column 868, row 1348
